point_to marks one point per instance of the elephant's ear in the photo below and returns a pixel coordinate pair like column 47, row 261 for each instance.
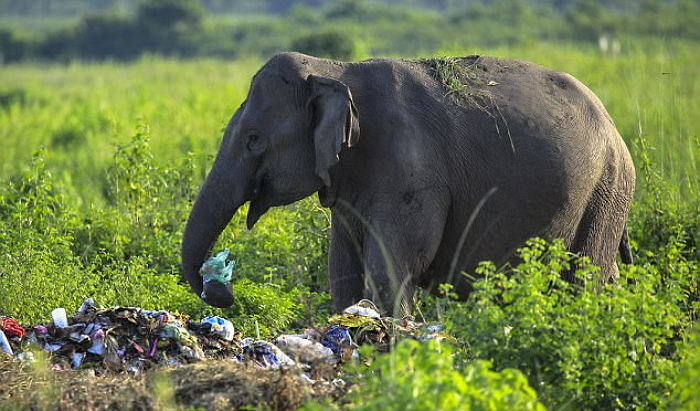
column 335, row 121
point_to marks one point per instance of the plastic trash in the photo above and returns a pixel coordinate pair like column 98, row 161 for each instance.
column 136, row 346
column 60, row 319
column 11, row 327
column 136, row 366
column 5, row 344
column 26, row 356
column 87, row 303
column 134, row 340
column 40, row 329
column 283, row 360
column 53, row 347
column 216, row 269
column 181, row 335
column 154, row 347
column 266, row 354
column 122, row 338
column 220, row 326
column 78, row 337
column 194, row 352
column 98, row 346
column 365, row 308
column 303, row 349
column 339, row 340
column 352, row 320
column 432, row 332
column 111, row 358
column 77, row 359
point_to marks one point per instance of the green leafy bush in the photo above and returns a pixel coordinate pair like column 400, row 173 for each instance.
column 126, row 254
column 35, row 237
column 153, row 202
column 583, row 347
column 88, row 219
column 685, row 392
column 425, row 376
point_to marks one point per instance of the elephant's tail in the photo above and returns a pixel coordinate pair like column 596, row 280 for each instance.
column 625, row 249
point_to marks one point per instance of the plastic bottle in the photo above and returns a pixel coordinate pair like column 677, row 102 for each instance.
column 60, row 319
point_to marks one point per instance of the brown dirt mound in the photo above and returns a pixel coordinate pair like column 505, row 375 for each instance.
column 210, row 385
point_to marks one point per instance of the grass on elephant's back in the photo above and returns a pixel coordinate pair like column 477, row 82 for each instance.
column 460, row 77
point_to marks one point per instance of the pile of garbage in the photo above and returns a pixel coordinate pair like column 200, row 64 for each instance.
column 199, row 364
column 132, row 339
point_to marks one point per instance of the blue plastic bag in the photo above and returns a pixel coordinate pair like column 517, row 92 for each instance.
column 216, row 269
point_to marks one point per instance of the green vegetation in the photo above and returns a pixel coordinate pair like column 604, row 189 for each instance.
column 102, row 160
column 124, row 30
column 584, row 348
column 423, row 376
column 685, row 396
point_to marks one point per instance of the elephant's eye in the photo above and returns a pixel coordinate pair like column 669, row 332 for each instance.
column 256, row 144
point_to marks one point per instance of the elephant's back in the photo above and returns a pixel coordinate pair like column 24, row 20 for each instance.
column 536, row 100
column 542, row 141
column 522, row 114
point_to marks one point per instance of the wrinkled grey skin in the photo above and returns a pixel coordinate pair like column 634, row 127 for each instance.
column 422, row 184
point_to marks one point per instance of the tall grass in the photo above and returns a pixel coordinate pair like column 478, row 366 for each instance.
column 82, row 112
column 85, row 113
column 99, row 212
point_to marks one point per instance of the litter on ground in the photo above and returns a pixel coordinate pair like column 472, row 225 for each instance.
column 133, row 339
column 97, row 343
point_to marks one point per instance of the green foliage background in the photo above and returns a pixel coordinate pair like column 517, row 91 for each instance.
column 126, row 29
column 101, row 162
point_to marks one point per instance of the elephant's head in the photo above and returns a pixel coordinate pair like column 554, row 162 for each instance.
column 277, row 148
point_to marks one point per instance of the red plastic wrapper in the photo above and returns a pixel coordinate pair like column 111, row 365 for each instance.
column 11, row 327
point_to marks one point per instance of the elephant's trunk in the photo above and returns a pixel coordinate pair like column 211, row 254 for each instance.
column 209, row 216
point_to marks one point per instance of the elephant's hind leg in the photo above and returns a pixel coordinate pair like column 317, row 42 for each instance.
column 600, row 232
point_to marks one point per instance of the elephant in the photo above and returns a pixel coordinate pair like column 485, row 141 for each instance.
column 428, row 167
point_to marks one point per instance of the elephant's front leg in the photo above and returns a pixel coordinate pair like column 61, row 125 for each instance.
column 398, row 248
column 345, row 263
column 387, row 281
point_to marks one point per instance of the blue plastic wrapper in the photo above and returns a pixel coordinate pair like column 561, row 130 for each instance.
column 266, row 354
column 220, row 326
column 337, row 338
column 216, row 269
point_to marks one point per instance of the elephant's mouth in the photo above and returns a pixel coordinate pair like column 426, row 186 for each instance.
column 259, row 201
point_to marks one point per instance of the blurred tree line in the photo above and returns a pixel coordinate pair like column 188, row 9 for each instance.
column 71, row 7
column 343, row 29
